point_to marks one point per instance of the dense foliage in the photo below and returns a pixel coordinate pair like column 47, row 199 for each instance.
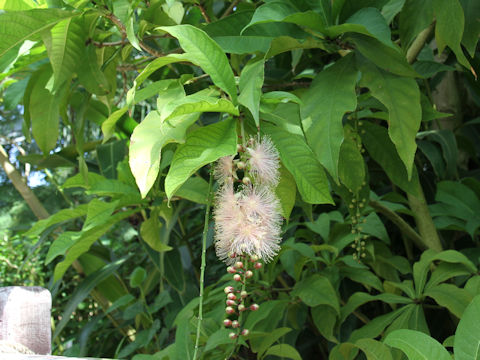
column 124, row 106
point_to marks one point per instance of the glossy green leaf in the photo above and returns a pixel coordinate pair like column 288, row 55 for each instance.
column 18, row 26
column 206, row 53
column 330, row 96
column 150, row 231
column 58, row 217
column 377, row 325
column 401, row 96
column 471, row 9
column 251, row 82
column 44, row 113
column 325, row 318
column 317, row 290
column 109, row 155
column 202, row 146
column 285, row 351
column 416, row 16
column 467, row 337
column 391, row 9
column 383, row 151
column 385, row 57
column 196, row 103
column 194, row 189
column 89, row 73
column 65, row 46
column 374, row 350
column 85, row 240
column 286, row 191
column 453, row 298
column 158, row 87
column 146, row 144
column 446, row 139
column 417, row 345
column 445, row 271
column 449, row 27
column 261, row 344
column 300, row 161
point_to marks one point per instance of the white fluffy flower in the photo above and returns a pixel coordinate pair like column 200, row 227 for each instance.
column 223, row 171
column 264, row 161
column 247, row 223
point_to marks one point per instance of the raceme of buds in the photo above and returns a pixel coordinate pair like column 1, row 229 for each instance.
column 245, row 332
column 231, row 296
column 254, row 307
column 248, row 274
column 232, row 336
column 229, row 289
column 229, row 310
column 235, row 324
column 231, row 270
column 241, row 307
column 237, row 277
column 231, row 303
column 227, row 322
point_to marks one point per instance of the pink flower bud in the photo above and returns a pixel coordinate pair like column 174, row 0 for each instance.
column 241, row 165
column 228, row 289
column 237, row 277
column 232, row 336
column 241, row 307
column 254, row 258
column 231, row 270
column 238, row 265
column 240, row 148
column 246, row 180
column 235, row 324
column 243, row 294
column 232, row 255
column 258, row 265
column 245, row 332
column 231, row 296
column 231, row 303
column 227, row 322
column 248, row 274
column 229, row 310
column 254, row 307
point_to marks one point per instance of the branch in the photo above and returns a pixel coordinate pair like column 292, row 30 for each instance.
column 404, row 227
column 230, row 9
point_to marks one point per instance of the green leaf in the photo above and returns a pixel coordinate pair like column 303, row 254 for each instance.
column 58, row 217
column 351, row 166
column 391, row 9
column 269, row 312
column 401, row 96
column 415, row 16
column 316, row 290
column 417, row 345
column 89, row 73
column 202, row 146
column 286, row 191
column 300, row 161
column 174, row 273
column 137, row 277
column 360, row 298
column 85, row 240
column 374, row 350
column 285, row 351
column 330, row 96
column 471, row 9
column 82, row 291
column 251, row 82
column 449, row 27
column 146, row 144
column 453, row 298
column 44, row 113
column 467, row 337
column 65, row 46
column 388, row 58
column 194, row 189
column 198, row 102
column 325, row 317
column 382, row 150
column 446, row 271
column 446, row 139
column 150, row 230
column 18, row 26
column 368, row 21
column 158, row 87
column 206, row 53
column 377, row 325
column 109, row 155
column 260, row 344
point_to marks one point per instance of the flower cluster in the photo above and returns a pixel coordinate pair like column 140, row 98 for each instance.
column 248, row 220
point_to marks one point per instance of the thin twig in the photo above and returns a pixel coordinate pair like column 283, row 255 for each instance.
column 204, row 262
column 230, row 9
column 204, row 13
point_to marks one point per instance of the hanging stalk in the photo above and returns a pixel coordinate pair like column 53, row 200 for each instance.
column 203, row 264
